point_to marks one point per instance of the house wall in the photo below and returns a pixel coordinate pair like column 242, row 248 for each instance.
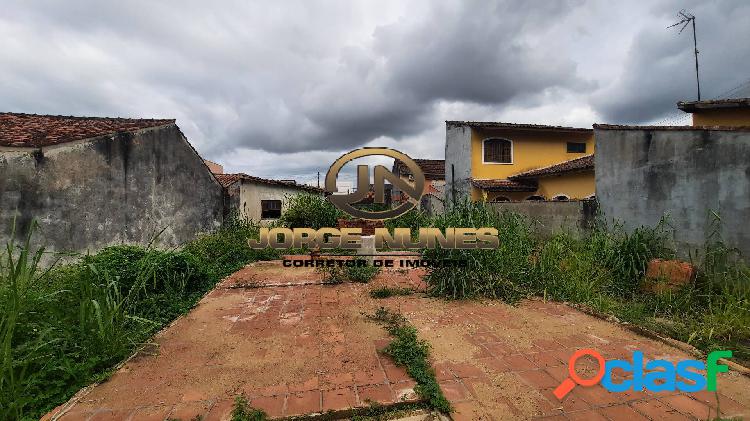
column 251, row 193
column 580, row 185
column 124, row 188
column 642, row 175
column 531, row 149
column 457, row 162
column 722, row 117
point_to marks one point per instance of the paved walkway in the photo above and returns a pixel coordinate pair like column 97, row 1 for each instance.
column 293, row 347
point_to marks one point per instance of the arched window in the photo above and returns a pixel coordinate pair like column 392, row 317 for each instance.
column 497, row 151
column 536, row 198
column 561, row 198
column 500, row 199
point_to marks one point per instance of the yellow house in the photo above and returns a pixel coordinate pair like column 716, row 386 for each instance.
column 718, row 112
column 513, row 162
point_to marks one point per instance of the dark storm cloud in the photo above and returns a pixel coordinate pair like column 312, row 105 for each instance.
column 280, row 78
column 276, row 80
column 479, row 52
column 660, row 66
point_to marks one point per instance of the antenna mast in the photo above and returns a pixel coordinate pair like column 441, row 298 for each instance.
column 687, row 19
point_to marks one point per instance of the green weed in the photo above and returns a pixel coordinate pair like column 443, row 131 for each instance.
column 385, row 292
column 243, row 412
column 310, row 211
column 409, row 351
column 67, row 326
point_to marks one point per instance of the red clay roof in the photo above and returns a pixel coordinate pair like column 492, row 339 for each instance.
column 583, row 163
column 433, row 169
column 32, row 130
column 493, row 124
column 504, row 185
column 227, row 180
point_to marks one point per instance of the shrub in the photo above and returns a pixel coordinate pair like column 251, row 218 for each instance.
column 362, row 273
column 226, row 251
column 309, row 210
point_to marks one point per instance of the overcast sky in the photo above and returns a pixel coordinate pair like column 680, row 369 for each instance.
column 280, row 89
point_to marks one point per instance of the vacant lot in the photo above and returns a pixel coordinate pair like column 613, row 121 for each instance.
column 293, row 346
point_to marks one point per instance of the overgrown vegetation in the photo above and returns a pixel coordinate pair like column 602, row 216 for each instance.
column 407, row 350
column 67, row 326
column 243, row 412
column 602, row 269
column 385, row 292
column 362, row 273
column 310, row 211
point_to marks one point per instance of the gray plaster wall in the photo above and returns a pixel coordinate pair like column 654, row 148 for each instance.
column 457, row 162
column 123, row 188
column 642, row 175
column 552, row 217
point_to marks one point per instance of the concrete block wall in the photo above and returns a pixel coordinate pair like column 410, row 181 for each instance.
column 643, row 174
column 124, row 188
column 552, row 217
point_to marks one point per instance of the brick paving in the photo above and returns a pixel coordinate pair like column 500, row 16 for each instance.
column 305, row 348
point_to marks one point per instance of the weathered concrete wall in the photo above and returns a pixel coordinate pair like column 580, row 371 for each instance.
column 252, row 192
column 108, row 190
column 644, row 174
column 457, row 162
column 553, row 217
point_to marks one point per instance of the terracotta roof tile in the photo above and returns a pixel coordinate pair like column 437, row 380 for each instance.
column 433, row 169
column 32, row 130
column 504, row 185
column 583, row 163
column 227, row 180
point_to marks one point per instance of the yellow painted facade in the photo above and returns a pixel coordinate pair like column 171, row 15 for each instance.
column 531, row 149
column 575, row 186
column 722, row 117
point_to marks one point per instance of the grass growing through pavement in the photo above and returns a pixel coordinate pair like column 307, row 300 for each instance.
column 603, row 269
column 65, row 327
column 385, row 292
column 407, row 350
column 243, row 412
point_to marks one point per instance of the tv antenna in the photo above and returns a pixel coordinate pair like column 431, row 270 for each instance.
column 687, row 19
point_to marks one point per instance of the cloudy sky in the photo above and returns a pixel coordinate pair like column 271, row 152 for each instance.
column 281, row 88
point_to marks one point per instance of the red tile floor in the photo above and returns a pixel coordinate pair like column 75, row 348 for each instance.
column 297, row 347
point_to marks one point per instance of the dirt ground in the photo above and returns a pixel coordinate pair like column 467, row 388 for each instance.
column 293, row 346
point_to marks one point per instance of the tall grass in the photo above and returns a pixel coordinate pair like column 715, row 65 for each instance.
column 496, row 273
column 18, row 271
column 602, row 268
column 67, row 326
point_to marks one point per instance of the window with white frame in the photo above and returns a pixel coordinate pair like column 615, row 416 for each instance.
column 497, row 151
